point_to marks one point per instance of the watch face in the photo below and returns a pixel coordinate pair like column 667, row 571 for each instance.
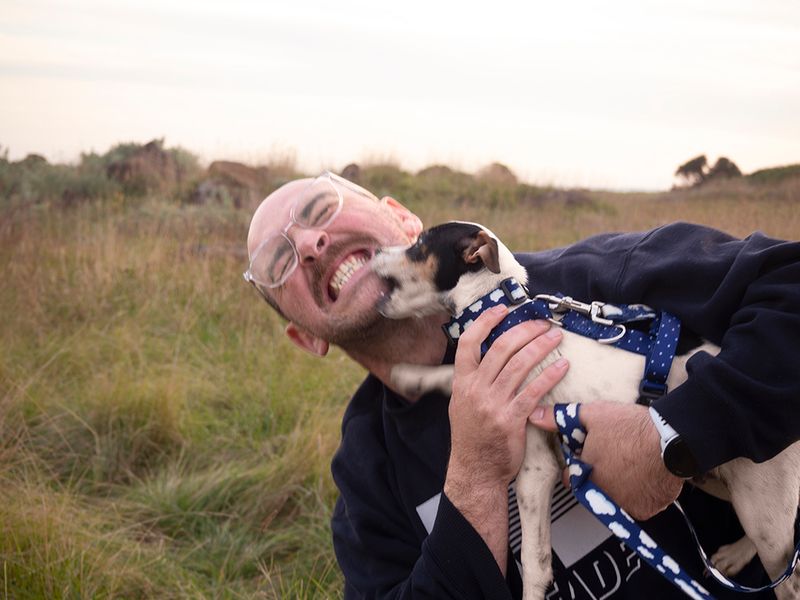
column 678, row 459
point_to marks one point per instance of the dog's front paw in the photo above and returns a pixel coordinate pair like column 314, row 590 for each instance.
column 412, row 381
column 732, row 558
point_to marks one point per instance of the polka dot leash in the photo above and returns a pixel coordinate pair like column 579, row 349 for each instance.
column 626, row 529
column 729, row 583
column 609, row 513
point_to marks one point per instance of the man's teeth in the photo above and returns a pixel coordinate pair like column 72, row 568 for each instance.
column 345, row 271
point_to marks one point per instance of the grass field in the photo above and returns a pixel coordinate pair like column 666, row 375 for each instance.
column 158, row 436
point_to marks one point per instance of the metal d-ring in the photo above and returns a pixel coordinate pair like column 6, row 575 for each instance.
column 616, row 338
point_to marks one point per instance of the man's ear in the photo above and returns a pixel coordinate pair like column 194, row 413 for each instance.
column 306, row 341
column 411, row 223
column 483, row 247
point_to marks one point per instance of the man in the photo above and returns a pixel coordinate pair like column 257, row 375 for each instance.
column 424, row 483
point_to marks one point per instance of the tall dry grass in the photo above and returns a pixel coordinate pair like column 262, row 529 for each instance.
column 159, row 438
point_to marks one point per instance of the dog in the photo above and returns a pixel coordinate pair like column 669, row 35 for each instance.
column 453, row 264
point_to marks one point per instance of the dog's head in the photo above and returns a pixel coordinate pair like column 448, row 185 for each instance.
column 446, row 269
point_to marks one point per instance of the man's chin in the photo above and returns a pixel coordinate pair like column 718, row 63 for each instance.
column 372, row 327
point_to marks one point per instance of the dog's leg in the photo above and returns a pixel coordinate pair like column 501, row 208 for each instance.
column 412, row 381
column 539, row 473
column 765, row 497
column 731, row 558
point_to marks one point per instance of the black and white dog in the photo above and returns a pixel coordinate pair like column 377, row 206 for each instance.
column 452, row 265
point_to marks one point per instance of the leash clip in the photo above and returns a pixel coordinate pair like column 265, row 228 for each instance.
column 562, row 304
column 596, row 310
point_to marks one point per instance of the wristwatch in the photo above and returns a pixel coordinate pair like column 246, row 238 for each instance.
column 674, row 450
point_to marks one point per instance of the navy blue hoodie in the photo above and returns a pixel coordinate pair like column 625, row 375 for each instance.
column 397, row 536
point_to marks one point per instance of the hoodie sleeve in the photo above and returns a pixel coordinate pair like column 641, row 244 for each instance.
column 745, row 296
column 380, row 552
column 381, row 560
column 741, row 294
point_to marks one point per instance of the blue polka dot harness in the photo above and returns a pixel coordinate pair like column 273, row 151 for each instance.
column 608, row 324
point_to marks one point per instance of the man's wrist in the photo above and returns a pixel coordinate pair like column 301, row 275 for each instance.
column 474, row 495
column 485, row 506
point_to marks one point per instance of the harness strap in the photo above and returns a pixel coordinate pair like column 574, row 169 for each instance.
column 510, row 293
column 529, row 311
column 603, row 322
column 626, row 529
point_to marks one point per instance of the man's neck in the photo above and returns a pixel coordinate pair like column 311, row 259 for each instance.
column 415, row 341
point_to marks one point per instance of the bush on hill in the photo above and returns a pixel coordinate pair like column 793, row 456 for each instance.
column 775, row 174
column 697, row 170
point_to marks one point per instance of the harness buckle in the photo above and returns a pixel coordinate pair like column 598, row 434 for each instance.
column 514, row 291
column 451, row 341
column 650, row 392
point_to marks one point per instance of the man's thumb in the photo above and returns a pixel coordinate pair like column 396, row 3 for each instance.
column 543, row 418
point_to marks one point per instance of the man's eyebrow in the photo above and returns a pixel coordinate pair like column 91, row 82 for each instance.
column 309, row 206
column 282, row 250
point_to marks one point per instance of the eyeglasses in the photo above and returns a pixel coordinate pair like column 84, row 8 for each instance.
column 276, row 258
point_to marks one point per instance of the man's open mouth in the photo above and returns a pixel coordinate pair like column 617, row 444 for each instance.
column 346, row 269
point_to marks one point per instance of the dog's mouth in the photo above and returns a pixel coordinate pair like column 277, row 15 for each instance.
column 386, row 296
column 391, row 285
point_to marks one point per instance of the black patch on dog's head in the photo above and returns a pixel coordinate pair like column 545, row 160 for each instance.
column 450, row 244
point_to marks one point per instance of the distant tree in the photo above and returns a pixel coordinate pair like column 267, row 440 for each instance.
column 723, row 169
column 694, row 171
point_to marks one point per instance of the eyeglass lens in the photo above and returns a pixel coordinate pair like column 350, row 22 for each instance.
column 318, row 205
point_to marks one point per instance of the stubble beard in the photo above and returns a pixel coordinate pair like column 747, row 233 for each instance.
column 352, row 332
column 368, row 333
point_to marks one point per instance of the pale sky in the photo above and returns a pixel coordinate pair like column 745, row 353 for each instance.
column 599, row 94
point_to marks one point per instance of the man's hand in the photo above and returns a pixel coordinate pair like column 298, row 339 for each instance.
column 488, row 416
column 623, row 447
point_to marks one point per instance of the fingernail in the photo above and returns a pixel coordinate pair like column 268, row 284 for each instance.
column 538, row 413
column 500, row 308
column 554, row 333
column 561, row 363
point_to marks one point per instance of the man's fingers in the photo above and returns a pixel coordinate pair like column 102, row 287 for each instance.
column 512, row 370
column 515, row 353
column 525, row 403
column 544, row 418
column 469, row 344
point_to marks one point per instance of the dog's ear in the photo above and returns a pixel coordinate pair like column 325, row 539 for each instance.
column 483, row 247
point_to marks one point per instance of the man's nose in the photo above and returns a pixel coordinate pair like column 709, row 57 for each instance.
column 310, row 243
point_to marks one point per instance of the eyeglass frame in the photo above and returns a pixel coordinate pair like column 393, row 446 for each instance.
column 334, row 179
